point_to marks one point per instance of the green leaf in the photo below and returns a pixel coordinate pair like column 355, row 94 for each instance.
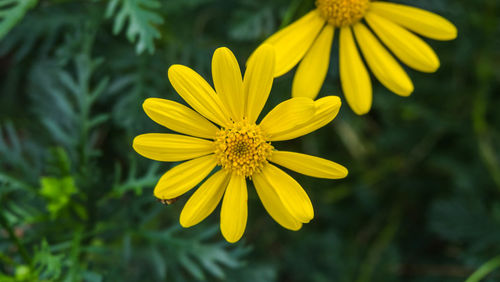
column 142, row 21
column 47, row 264
column 11, row 12
column 460, row 221
column 58, row 192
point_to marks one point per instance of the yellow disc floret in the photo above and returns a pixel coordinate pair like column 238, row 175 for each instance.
column 342, row 12
column 242, row 148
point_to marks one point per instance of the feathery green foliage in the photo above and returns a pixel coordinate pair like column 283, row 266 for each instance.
column 142, row 20
column 11, row 12
column 421, row 202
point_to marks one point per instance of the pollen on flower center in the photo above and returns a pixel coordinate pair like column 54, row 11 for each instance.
column 242, row 148
column 342, row 12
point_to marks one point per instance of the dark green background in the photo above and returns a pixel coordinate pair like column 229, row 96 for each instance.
column 421, row 202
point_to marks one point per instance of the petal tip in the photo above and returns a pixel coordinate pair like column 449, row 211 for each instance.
column 148, row 103
column 266, row 51
column 361, row 110
column 174, row 70
column 335, row 100
column 185, row 222
column 407, row 91
column 173, row 67
column 433, row 67
column 344, row 172
column 171, row 70
column 157, row 194
column 135, row 142
column 453, row 34
column 231, row 238
column 307, row 219
column 222, row 49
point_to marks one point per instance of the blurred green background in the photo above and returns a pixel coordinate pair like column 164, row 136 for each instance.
column 421, row 202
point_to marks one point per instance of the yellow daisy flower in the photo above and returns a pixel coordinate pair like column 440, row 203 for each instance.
column 310, row 38
column 222, row 131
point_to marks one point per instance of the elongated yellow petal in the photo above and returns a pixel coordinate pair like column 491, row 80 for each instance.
column 409, row 48
column 171, row 147
column 309, row 165
column 234, row 211
column 290, row 193
column 258, row 80
column 204, row 200
column 312, row 69
column 293, row 41
column 325, row 110
column 182, row 178
column 228, row 83
column 420, row 21
column 198, row 94
column 385, row 68
column 288, row 115
column 273, row 204
column 179, row 118
column 356, row 83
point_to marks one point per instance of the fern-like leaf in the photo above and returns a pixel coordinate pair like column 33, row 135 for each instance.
column 142, row 20
column 11, row 12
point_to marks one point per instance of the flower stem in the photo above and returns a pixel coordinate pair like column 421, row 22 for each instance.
column 484, row 270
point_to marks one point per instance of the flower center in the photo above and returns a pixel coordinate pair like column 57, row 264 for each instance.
column 242, row 148
column 342, row 12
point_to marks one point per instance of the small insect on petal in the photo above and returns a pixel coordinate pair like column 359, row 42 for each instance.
column 168, row 201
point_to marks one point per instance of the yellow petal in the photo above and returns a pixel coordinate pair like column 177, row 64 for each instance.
column 356, row 83
column 418, row 20
column 273, row 204
column 204, row 200
column 326, row 109
column 258, row 80
column 286, row 116
column 234, row 211
column 171, row 147
column 290, row 193
column 293, row 41
column 198, row 94
column 228, row 82
column 182, row 178
column 309, row 165
column 409, row 48
column 179, row 118
column 312, row 69
column 385, row 68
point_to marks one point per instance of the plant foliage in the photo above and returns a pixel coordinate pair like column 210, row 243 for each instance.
column 421, row 202
column 11, row 12
column 142, row 21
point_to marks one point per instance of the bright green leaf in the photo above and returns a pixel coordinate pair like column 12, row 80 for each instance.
column 57, row 191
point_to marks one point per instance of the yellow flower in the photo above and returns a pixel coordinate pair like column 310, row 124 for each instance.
column 310, row 39
column 222, row 131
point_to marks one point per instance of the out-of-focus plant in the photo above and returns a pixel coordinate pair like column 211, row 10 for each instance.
column 421, row 202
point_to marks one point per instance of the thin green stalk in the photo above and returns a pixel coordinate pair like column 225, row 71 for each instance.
column 292, row 9
column 380, row 245
column 482, row 129
column 5, row 224
column 484, row 270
